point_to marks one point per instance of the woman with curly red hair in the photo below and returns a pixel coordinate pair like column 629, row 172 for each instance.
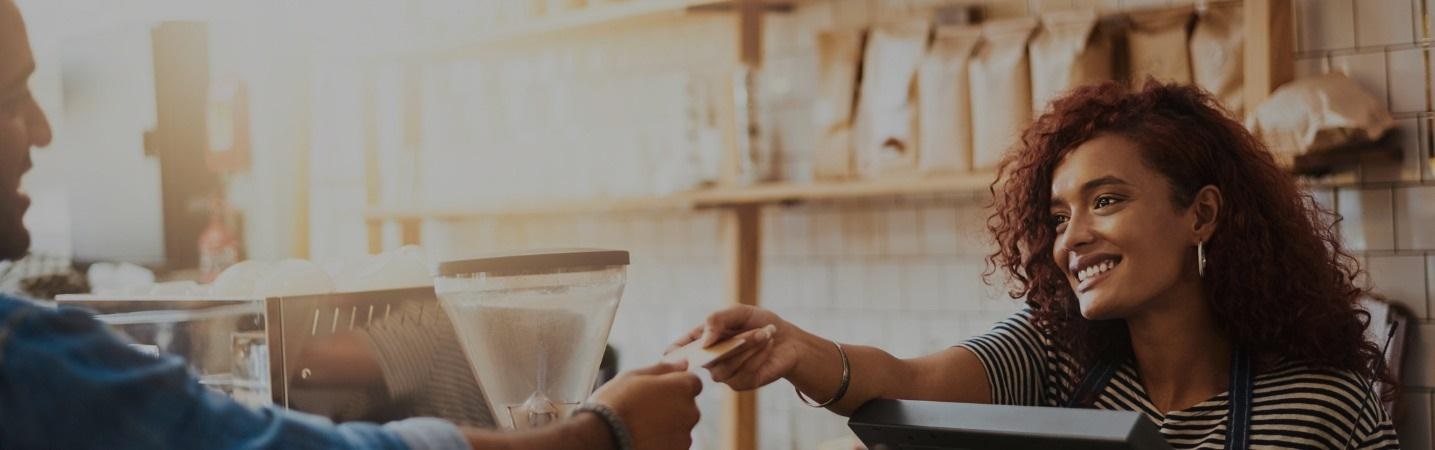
column 1169, row 266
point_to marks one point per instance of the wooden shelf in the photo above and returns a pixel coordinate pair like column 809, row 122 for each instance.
column 757, row 195
column 976, row 183
column 850, row 190
column 1326, row 162
column 564, row 207
column 604, row 14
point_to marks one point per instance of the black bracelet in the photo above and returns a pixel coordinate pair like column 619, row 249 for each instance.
column 841, row 389
column 621, row 439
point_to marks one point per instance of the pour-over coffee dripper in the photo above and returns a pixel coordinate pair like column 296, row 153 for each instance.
column 534, row 326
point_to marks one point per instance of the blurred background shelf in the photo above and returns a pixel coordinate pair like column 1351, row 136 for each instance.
column 755, row 195
column 1387, row 150
column 760, row 194
column 610, row 14
column 539, row 208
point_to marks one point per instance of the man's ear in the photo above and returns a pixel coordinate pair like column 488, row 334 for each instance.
column 1206, row 208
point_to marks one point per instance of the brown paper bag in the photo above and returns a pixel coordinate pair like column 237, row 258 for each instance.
column 944, row 118
column 1001, row 89
column 839, row 58
column 886, row 108
column 1067, row 52
column 1216, row 46
column 1159, row 45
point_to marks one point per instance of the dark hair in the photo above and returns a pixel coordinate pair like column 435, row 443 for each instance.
column 1279, row 281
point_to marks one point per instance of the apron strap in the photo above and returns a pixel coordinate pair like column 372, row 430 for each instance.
column 1238, row 420
column 1242, row 390
column 1090, row 388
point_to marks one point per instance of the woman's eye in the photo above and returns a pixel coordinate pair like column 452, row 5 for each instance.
column 1104, row 201
column 1057, row 220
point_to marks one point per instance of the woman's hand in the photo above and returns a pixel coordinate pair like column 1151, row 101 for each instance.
column 657, row 403
column 770, row 349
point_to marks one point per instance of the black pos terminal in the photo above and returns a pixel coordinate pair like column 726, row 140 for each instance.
column 915, row 425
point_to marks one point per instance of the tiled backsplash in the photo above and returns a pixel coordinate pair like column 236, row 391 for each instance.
column 906, row 275
column 1389, row 210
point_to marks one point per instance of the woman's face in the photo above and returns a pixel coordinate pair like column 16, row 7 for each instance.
column 1120, row 239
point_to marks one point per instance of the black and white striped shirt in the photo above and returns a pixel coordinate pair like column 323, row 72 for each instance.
column 1295, row 405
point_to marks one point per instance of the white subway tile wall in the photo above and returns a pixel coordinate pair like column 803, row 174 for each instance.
column 907, row 275
column 1384, row 22
column 1367, row 223
column 1368, row 69
column 1324, row 24
column 1389, row 210
column 1415, row 217
column 1401, row 279
column 1305, row 67
column 1408, row 80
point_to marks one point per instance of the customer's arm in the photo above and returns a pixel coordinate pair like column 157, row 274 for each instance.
column 66, row 381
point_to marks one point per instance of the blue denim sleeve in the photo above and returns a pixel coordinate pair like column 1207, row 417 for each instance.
column 68, row 382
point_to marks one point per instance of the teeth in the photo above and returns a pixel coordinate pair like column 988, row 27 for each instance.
column 1095, row 270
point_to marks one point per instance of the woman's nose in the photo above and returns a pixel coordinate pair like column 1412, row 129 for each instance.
column 1077, row 234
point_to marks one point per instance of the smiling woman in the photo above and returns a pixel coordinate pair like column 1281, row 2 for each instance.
column 1148, row 175
column 1180, row 251
column 1169, row 266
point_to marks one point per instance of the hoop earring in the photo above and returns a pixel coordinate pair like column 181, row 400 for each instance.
column 1201, row 258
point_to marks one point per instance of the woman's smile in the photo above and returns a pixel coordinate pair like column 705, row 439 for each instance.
column 1092, row 269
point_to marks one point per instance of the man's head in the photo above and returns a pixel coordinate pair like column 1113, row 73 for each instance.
column 22, row 126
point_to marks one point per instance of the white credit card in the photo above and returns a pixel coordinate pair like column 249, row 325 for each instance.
column 152, row 350
column 697, row 356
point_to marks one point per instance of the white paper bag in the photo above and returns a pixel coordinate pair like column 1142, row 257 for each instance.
column 1158, row 45
column 839, row 58
column 1067, row 52
column 1216, row 52
column 886, row 112
column 944, row 117
column 1001, row 89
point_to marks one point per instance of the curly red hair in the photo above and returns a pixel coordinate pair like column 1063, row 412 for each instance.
column 1279, row 281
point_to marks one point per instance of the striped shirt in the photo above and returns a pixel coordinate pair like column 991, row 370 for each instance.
column 1294, row 405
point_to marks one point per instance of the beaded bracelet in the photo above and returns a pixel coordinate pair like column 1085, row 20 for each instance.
column 841, row 389
column 621, row 439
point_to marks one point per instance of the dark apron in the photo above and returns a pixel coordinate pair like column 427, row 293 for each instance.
column 1238, row 417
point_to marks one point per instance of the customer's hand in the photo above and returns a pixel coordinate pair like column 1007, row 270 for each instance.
column 657, row 403
column 770, row 349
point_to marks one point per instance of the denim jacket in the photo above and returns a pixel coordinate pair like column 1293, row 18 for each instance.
column 68, row 382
